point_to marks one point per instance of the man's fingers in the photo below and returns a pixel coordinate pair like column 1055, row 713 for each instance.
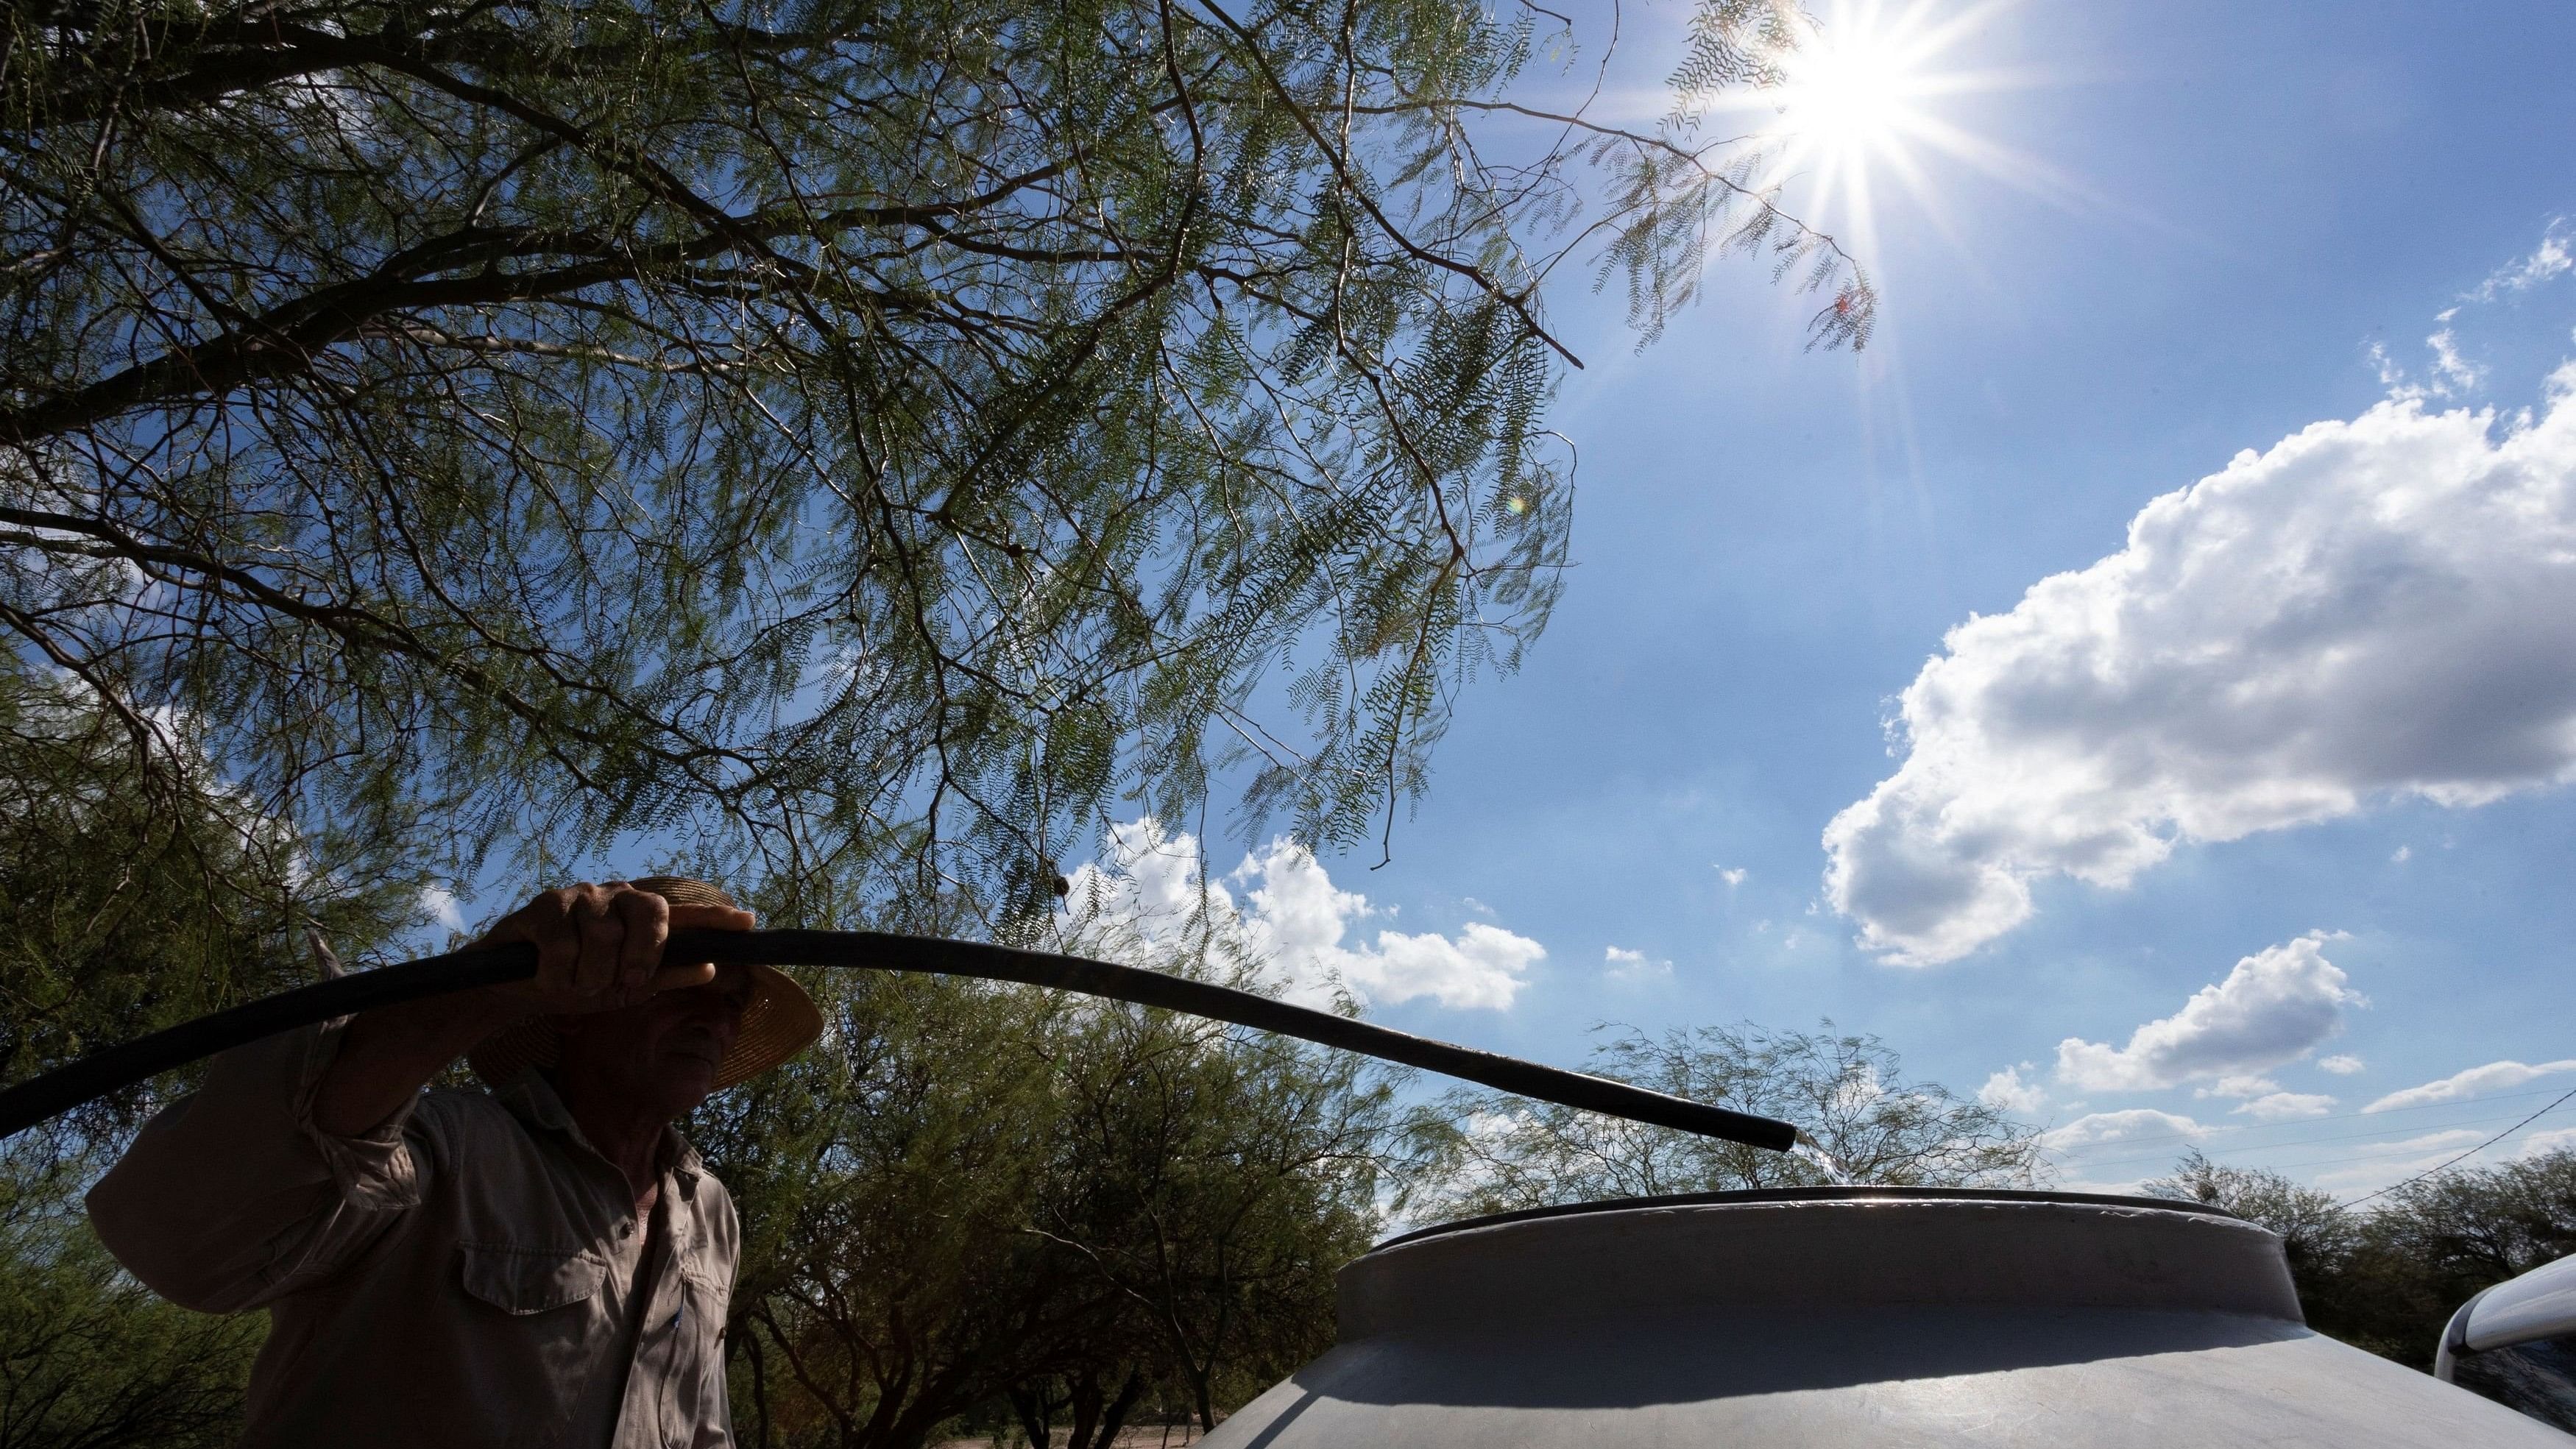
column 547, row 921
column 601, row 934
column 646, row 920
column 600, row 946
column 680, row 978
column 700, row 918
column 711, row 918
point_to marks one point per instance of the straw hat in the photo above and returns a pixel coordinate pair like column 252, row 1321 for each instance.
column 779, row 1021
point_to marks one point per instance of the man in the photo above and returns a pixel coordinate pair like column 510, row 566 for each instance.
column 544, row 1265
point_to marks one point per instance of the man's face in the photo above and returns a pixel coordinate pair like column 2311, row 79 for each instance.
column 659, row 1053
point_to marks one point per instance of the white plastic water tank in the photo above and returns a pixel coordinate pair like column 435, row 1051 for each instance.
column 1838, row 1318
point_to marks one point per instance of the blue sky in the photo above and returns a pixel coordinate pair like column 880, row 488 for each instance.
column 2314, row 727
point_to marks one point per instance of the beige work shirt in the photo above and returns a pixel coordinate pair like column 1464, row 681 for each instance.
column 462, row 1275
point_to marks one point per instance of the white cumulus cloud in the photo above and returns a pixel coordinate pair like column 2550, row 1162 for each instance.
column 1292, row 920
column 2384, row 1163
column 2264, row 1100
column 2554, row 1139
column 2008, row 1091
column 2475, row 1082
column 1483, row 967
column 1626, row 965
column 2287, row 1106
column 2239, row 1085
column 2276, row 1006
column 443, row 907
column 2547, row 262
column 2128, row 1125
column 2341, row 1064
column 2348, row 617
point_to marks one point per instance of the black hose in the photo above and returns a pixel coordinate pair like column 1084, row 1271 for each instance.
column 95, row 1076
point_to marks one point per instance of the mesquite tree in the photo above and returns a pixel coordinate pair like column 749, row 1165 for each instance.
column 125, row 909
column 856, row 441
column 1847, row 1094
column 994, row 1201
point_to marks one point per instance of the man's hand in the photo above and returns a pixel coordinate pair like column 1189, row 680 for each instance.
column 599, row 947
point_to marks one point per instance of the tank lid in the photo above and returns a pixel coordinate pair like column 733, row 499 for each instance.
column 1809, row 1250
column 1808, row 1194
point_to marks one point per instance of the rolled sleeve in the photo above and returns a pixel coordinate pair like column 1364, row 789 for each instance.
column 376, row 1171
column 232, row 1195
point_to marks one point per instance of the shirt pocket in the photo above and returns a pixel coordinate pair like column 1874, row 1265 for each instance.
column 697, row 1414
column 522, row 1281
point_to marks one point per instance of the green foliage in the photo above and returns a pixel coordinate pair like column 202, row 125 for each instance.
column 133, row 902
column 1211, row 1183
column 127, row 903
column 89, row 1358
column 2428, row 1247
column 992, row 1203
column 2489, row 1224
column 854, row 448
column 883, row 1180
column 1847, row 1094
column 864, row 442
column 2388, row 1277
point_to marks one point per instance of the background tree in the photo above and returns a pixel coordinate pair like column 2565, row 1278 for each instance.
column 89, row 1359
column 1213, row 1181
column 992, row 1203
column 2388, row 1276
column 2491, row 1223
column 2317, row 1234
column 1846, row 1093
column 885, row 1178
column 127, row 904
column 130, row 903
column 859, row 441
column 2426, row 1248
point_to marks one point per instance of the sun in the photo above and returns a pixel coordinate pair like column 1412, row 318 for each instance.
column 1849, row 90
column 1860, row 98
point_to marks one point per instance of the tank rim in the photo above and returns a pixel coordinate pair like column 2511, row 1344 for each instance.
column 1870, row 1193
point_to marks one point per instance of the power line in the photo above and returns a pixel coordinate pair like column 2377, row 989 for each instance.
column 2400, row 1150
column 2079, row 1161
column 2285, row 1145
column 2080, row 1155
column 2472, row 1152
column 2216, row 1128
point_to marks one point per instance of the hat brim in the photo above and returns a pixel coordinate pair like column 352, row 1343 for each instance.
column 779, row 1021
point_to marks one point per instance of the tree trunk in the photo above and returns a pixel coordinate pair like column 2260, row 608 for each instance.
column 759, row 1385
column 1114, row 1417
column 1199, row 1397
column 1034, row 1407
column 1086, row 1410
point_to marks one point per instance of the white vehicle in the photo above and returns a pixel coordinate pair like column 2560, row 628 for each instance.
column 2515, row 1343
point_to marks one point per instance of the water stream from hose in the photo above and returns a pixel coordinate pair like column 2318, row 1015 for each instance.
column 1805, row 1148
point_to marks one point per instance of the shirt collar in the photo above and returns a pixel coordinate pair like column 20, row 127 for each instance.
column 534, row 1100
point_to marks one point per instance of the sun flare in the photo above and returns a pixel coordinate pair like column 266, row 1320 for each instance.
column 1859, row 99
